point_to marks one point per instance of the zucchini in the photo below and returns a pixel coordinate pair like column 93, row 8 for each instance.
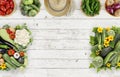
column 9, row 66
column 15, row 62
column 8, row 60
column 117, row 38
column 103, row 36
column 106, row 51
column 114, row 61
column 109, row 57
column 98, row 61
column 117, row 47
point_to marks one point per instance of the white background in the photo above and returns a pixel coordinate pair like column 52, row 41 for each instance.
column 61, row 44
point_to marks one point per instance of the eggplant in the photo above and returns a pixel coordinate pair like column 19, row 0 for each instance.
column 2, row 51
column 7, row 43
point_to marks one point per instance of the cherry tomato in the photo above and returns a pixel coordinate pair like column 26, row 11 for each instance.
column 2, row 2
column 9, row 11
column 21, row 53
column 8, row 31
column 12, row 35
column 11, row 4
column 11, row 52
column 7, row 5
column 2, row 8
column 2, row 13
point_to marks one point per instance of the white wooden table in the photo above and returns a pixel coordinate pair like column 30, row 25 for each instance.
column 61, row 45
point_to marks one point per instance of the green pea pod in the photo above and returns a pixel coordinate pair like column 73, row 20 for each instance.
column 35, row 7
column 26, row 8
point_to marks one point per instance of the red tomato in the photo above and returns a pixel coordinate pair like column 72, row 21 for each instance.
column 2, row 8
column 9, row 11
column 2, row 13
column 12, row 4
column 2, row 2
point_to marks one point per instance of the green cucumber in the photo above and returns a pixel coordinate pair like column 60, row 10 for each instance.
column 117, row 38
column 117, row 47
column 15, row 62
column 118, row 59
column 8, row 60
column 114, row 61
column 25, row 60
column 103, row 36
column 9, row 66
column 107, row 58
column 100, row 41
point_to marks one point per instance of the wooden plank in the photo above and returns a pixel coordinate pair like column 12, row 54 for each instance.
column 59, row 54
column 60, row 45
column 63, row 24
column 58, row 64
column 61, row 34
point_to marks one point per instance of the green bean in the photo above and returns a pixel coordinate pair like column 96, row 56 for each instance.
column 92, row 5
column 88, row 6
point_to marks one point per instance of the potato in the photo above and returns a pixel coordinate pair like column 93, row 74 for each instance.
column 1, row 61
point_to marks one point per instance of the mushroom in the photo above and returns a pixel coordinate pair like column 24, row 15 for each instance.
column 110, row 2
column 117, row 13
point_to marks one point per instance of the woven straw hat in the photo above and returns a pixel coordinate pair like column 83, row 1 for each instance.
column 58, row 7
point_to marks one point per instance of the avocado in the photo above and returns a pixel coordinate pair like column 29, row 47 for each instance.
column 4, row 35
